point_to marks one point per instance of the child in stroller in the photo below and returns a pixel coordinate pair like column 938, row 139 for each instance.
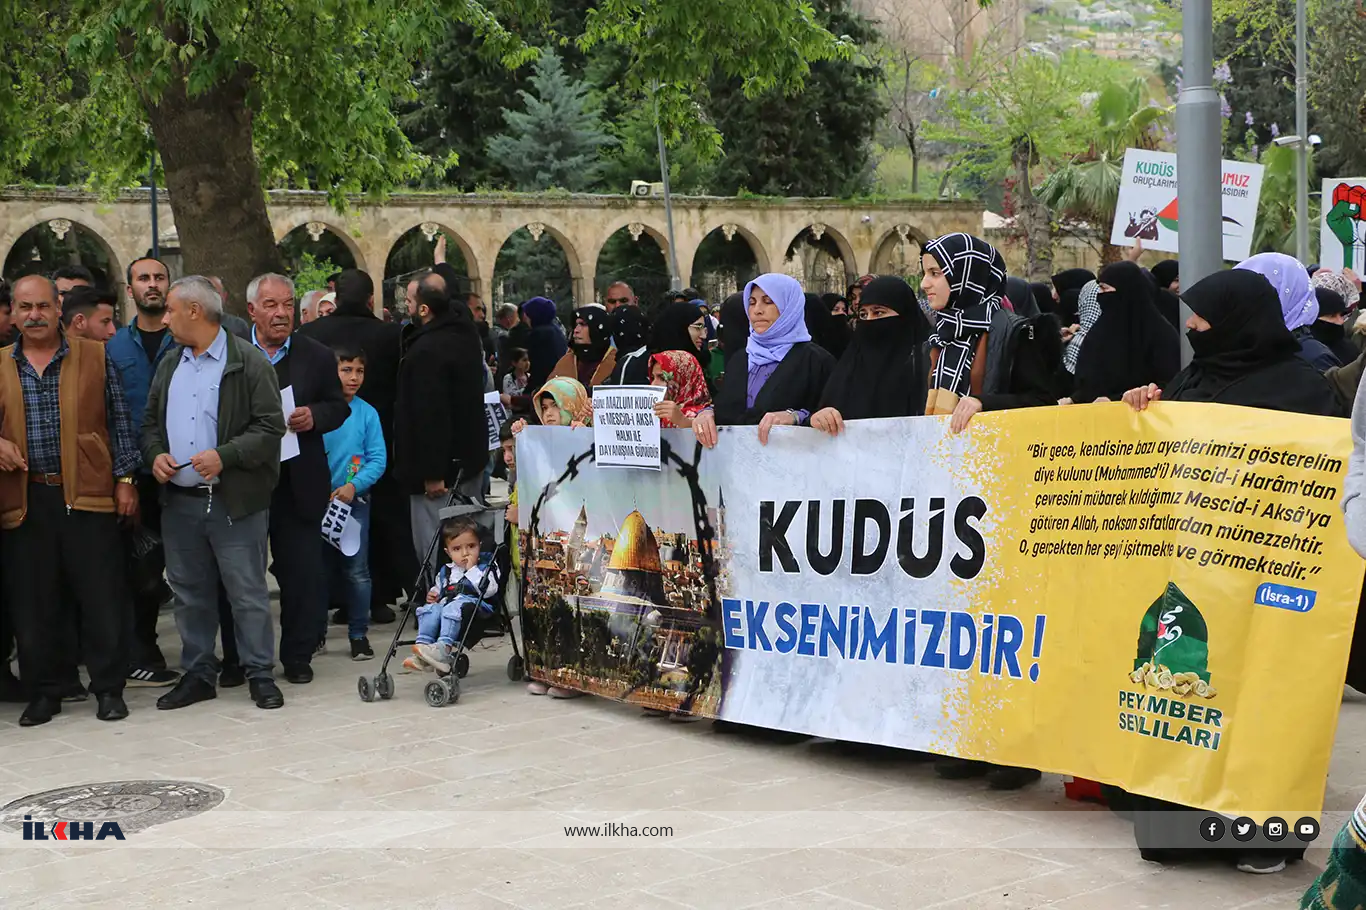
column 462, row 593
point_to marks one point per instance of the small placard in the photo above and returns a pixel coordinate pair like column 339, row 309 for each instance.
column 340, row 529
column 494, row 415
column 625, row 426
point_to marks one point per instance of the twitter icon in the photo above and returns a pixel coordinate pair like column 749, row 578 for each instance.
column 1244, row 829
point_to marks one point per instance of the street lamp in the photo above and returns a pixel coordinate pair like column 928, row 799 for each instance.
column 675, row 280
column 1301, row 129
column 1199, row 154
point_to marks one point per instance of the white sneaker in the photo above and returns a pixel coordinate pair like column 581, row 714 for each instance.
column 434, row 656
column 536, row 688
column 1261, row 865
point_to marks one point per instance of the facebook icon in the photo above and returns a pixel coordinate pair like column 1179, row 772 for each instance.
column 1212, row 828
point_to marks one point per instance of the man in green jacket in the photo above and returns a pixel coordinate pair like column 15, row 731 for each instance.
column 211, row 433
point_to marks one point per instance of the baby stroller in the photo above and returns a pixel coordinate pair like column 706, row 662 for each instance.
column 445, row 688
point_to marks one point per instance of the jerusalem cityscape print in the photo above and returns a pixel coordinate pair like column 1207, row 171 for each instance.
column 623, row 572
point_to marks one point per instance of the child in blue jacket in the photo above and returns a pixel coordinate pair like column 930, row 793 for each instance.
column 356, row 459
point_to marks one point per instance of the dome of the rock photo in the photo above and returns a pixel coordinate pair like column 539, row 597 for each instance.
column 636, row 549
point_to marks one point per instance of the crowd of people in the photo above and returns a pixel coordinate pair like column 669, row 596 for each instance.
column 182, row 456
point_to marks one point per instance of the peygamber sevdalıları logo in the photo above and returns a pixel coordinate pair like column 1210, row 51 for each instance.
column 1173, row 647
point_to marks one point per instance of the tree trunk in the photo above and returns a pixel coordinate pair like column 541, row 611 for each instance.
column 214, row 183
column 910, row 134
column 1109, row 253
column 1034, row 217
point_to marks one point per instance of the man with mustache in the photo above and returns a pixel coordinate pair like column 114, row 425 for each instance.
column 137, row 349
column 67, row 457
column 300, row 500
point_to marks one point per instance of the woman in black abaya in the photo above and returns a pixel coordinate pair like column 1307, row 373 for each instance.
column 1131, row 344
column 1244, row 355
column 884, row 370
column 827, row 330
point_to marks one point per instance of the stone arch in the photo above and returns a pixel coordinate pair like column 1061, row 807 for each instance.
column 117, row 249
column 463, row 248
column 824, row 236
column 647, row 286
column 897, row 251
column 290, row 221
column 762, row 259
column 581, row 290
column 723, row 279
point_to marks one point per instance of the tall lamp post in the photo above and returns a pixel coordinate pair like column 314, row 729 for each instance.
column 152, row 182
column 675, row 280
column 1301, row 130
column 1199, row 154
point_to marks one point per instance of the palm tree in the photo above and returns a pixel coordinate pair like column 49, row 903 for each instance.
column 1087, row 187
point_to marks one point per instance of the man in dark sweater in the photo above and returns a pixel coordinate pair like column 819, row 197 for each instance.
column 307, row 369
column 440, row 442
column 355, row 326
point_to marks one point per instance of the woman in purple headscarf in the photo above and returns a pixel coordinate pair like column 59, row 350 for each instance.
column 1299, row 305
column 778, row 378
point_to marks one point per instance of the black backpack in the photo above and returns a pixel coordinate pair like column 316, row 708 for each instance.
column 1008, row 331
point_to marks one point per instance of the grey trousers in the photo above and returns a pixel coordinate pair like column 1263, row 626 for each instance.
column 203, row 545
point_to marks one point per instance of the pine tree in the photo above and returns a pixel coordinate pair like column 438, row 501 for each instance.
column 555, row 142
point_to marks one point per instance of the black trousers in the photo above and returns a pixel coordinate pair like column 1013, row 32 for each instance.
column 392, row 566
column 296, row 553
column 144, row 581
column 84, row 551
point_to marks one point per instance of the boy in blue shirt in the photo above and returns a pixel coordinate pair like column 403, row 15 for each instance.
column 356, row 459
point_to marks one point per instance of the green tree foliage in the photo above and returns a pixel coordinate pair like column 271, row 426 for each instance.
column 555, row 141
column 1337, row 88
column 241, row 93
column 1087, row 187
column 815, row 143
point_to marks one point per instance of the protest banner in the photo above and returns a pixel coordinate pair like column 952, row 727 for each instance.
column 625, row 427
column 1160, row 601
column 1342, row 224
column 339, row 529
column 1147, row 209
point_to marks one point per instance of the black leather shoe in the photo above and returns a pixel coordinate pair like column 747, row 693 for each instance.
column 382, row 614
column 111, row 707
column 230, row 677
column 299, row 674
column 40, row 710
column 190, row 690
column 266, row 694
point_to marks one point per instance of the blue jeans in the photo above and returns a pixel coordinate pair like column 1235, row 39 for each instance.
column 443, row 623
column 351, row 574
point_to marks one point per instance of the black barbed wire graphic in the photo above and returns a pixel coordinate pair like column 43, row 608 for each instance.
column 706, row 537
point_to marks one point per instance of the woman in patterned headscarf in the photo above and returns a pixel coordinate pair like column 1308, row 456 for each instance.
column 964, row 280
column 1088, row 311
column 564, row 402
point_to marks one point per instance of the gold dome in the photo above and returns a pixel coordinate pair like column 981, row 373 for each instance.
column 636, row 548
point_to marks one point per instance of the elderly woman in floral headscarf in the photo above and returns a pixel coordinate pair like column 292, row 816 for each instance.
column 686, row 386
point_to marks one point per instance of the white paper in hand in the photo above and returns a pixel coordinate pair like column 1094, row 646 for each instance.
column 289, row 444
column 494, row 415
column 625, row 428
column 340, row 529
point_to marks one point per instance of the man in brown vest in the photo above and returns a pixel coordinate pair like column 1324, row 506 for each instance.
column 67, row 457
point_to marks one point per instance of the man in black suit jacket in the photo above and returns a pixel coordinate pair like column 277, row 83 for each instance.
column 300, row 500
column 355, row 326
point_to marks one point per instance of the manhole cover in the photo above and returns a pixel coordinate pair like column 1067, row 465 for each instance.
column 135, row 804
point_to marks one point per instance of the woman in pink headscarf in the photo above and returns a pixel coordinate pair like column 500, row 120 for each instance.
column 778, row 378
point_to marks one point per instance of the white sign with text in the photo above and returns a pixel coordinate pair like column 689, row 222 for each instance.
column 625, row 426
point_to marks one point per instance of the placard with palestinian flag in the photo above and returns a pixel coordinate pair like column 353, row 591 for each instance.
column 1148, row 210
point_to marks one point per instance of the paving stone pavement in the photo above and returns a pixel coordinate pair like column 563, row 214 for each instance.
column 334, row 803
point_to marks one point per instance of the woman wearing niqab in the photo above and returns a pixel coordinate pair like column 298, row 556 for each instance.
column 827, row 330
column 884, row 370
column 630, row 330
column 1130, row 343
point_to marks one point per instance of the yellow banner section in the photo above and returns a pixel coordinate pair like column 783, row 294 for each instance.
column 1200, row 597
